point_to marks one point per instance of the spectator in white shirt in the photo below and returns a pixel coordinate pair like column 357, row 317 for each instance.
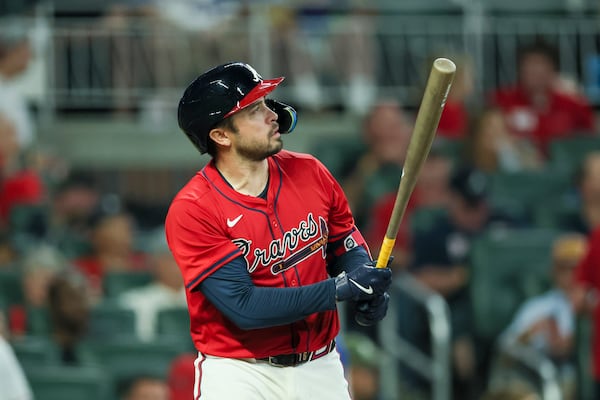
column 165, row 292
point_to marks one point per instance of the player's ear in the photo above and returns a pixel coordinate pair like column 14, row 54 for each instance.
column 220, row 136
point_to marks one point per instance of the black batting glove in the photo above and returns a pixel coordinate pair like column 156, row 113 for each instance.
column 362, row 283
column 369, row 312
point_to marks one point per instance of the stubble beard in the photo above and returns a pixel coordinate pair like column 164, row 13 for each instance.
column 261, row 152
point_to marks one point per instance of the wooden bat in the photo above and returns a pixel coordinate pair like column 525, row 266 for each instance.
column 428, row 117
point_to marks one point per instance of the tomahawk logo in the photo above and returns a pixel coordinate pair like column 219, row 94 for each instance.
column 298, row 244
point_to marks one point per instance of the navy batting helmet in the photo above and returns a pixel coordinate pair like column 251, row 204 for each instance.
column 216, row 95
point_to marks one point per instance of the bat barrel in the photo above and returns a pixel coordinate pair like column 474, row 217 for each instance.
column 428, row 117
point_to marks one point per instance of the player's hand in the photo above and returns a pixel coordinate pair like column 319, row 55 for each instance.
column 362, row 283
column 369, row 312
column 286, row 115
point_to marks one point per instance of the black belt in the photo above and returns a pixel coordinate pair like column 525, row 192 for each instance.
column 291, row 360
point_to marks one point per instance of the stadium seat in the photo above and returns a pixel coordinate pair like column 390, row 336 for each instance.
column 420, row 7
column 175, row 324
column 122, row 356
column 116, row 283
column 567, row 154
column 109, row 321
column 70, row 383
column 520, row 192
column 506, row 268
column 34, row 352
column 340, row 155
column 519, row 7
column 583, row 340
column 11, row 291
column 38, row 321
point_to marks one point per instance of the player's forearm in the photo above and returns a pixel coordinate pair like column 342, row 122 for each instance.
column 231, row 290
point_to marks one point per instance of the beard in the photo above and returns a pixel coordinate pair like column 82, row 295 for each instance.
column 260, row 151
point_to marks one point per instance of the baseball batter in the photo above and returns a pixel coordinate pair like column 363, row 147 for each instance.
column 267, row 245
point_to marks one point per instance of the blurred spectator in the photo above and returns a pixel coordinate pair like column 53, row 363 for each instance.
column 69, row 316
column 386, row 133
column 441, row 263
column 112, row 238
column 588, row 183
column 165, row 292
column 73, row 204
column 547, row 322
column 585, row 297
column 455, row 116
column 537, row 107
column 512, row 392
column 12, row 379
column 430, row 191
column 144, row 387
column 15, row 55
column 491, row 147
column 18, row 184
column 182, row 376
column 364, row 367
column 314, row 43
column 40, row 266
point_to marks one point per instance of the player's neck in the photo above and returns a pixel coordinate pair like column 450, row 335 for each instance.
column 246, row 177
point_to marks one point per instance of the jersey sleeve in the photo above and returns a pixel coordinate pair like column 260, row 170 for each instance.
column 343, row 233
column 585, row 273
column 198, row 244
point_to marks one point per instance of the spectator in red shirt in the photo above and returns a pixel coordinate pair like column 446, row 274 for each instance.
column 585, row 296
column 538, row 107
column 113, row 249
column 18, row 185
column 455, row 116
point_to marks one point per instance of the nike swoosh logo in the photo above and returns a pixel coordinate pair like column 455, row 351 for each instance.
column 368, row 290
column 231, row 222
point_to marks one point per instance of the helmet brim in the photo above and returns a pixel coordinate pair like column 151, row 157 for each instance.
column 262, row 89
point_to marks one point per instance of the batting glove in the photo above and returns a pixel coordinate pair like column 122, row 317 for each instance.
column 369, row 312
column 362, row 283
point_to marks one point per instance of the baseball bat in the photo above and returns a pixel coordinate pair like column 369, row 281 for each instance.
column 428, row 117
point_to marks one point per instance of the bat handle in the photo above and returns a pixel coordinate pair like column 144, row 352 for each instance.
column 386, row 251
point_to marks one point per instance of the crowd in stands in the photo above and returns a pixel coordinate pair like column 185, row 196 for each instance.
column 81, row 285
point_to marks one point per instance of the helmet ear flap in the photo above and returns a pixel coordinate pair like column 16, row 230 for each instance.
column 286, row 115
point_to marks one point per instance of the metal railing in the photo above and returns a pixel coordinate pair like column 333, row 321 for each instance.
column 435, row 367
column 537, row 363
column 135, row 63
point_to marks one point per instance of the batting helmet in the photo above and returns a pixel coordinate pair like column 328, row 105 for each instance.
column 216, row 95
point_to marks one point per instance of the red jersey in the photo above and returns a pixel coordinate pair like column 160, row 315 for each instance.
column 22, row 188
column 284, row 239
column 564, row 116
column 588, row 275
column 453, row 121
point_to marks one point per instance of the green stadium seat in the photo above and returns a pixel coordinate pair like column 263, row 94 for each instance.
column 122, row 356
column 507, row 267
column 583, row 340
column 70, row 383
column 340, row 155
column 11, row 291
column 175, row 323
column 116, row 283
column 38, row 321
column 567, row 154
column 34, row 352
column 519, row 193
column 109, row 320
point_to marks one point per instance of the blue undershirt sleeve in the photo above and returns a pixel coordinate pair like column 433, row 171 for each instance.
column 231, row 290
column 348, row 261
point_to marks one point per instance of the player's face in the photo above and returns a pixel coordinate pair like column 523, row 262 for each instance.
column 257, row 134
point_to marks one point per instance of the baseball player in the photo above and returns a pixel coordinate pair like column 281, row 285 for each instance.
column 266, row 245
